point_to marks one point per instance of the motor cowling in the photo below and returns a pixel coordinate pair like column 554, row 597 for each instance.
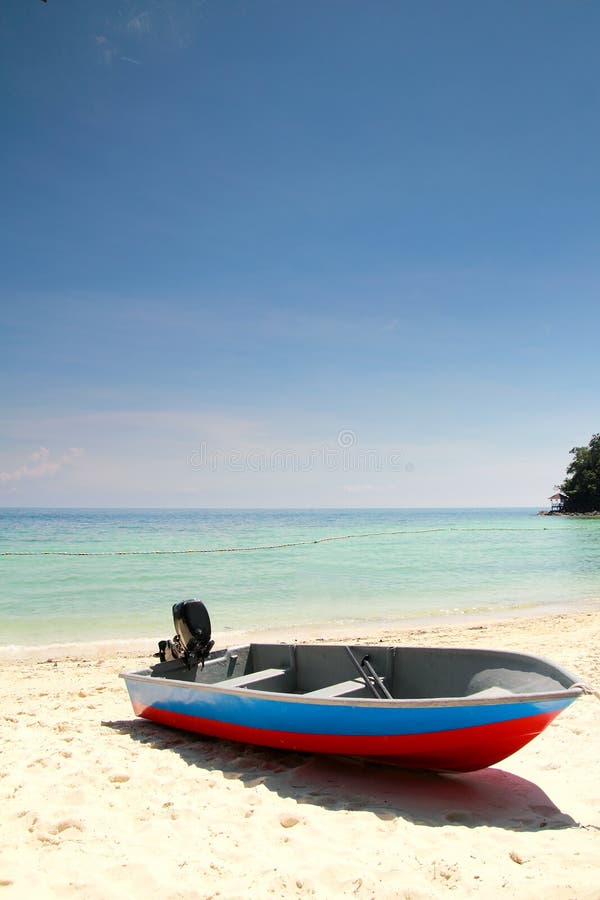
column 192, row 640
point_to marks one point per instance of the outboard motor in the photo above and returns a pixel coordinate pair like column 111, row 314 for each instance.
column 192, row 641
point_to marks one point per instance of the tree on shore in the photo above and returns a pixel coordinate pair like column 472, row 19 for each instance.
column 582, row 484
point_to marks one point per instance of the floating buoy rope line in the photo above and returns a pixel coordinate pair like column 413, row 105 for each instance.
column 289, row 544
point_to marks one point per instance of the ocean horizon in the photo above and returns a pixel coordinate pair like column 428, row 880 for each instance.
column 87, row 574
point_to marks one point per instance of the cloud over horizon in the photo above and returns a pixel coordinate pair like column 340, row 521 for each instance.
column 41, row 464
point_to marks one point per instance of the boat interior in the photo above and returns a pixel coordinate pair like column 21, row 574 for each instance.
column 330, row 671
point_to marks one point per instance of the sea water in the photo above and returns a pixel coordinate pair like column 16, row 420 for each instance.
column 88, row 574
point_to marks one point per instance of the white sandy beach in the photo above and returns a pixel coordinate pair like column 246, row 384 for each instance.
column 98, row 804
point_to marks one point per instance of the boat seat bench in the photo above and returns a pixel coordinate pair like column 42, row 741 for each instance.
column 253, row 679
column 342, row 689
column 269, row 678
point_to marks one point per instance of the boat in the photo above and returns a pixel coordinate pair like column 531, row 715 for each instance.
column 426, row 708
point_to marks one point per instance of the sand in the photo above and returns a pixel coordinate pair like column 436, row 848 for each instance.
column 98, row 804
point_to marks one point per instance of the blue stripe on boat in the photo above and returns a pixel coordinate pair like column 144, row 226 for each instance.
column 274, row 714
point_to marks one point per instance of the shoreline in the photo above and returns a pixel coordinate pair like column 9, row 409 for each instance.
column 594, row 514
column 371, row 631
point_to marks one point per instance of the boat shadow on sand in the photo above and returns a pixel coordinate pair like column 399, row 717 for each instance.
column 490, row 796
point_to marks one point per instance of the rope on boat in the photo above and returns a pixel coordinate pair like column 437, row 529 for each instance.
column 586, row 689
column 323, row 540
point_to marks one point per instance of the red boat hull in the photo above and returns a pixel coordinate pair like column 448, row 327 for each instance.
column 455, row 750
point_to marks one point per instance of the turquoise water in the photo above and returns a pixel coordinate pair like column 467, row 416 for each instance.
column 442, row 562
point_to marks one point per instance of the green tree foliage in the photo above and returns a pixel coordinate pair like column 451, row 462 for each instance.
column 582, row 484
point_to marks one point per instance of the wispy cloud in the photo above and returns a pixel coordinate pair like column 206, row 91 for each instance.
column 41, row 464
column 140, row 23
column 106, row 49
column 160, row 25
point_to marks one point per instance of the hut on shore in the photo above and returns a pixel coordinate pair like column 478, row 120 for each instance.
column 557, row 502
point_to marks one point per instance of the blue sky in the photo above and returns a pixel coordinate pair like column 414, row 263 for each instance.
column 359, row 237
